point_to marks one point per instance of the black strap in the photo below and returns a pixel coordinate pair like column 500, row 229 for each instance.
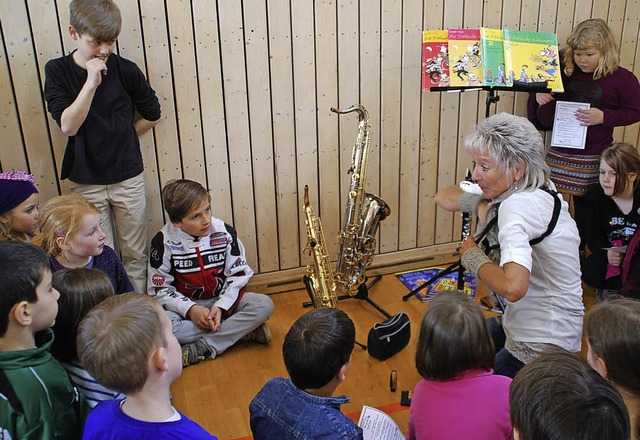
column 7, row 390
column 557, row 205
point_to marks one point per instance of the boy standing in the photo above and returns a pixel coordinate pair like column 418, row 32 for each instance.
column 127, row 344
column 37, row 398
column 198, row 272
column 94, row 94
column 317, row 351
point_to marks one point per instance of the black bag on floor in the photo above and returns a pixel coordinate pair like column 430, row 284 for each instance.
column 389, row 337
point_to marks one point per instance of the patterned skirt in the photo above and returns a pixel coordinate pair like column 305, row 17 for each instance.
column 573, row 174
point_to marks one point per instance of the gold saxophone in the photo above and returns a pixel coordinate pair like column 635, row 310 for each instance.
column 363, row 214
column 319, row 280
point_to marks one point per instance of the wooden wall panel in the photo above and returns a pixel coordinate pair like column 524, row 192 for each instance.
column 246, row 87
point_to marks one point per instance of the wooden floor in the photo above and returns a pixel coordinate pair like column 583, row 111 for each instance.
column 216, row 393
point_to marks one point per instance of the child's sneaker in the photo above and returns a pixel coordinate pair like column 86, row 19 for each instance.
column 261, row 335
column 193, row 353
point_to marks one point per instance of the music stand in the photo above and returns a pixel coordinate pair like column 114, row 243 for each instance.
column 492, row 98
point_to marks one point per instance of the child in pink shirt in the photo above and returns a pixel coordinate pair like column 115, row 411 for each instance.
column 459, row 397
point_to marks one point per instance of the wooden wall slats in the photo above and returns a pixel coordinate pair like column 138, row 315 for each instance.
column 432, row 18
column 12, row 153
column 410, row 123
column 260, row 94
column 329, row 195
column 213, row 110
column 283, row 118
column 370, row 86
column 237, row 117
column 28, row 98
column 348, row 90
column 246, row 87
column 306, row 127
column 391, row 88
column 168, row 158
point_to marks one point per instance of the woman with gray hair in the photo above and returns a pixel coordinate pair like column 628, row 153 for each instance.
column 530, row 236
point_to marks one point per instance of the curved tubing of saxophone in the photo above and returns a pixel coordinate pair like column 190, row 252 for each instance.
column 363, row 114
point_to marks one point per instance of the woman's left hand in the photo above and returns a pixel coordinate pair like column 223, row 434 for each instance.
column 592, row 116
column 466, row 245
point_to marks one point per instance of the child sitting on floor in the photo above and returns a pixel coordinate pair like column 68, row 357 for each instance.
column 18, row 206
column 455, row 357
column 198, row 271
column 38, row 400
column 72, row 238
column 80, row 290
column 317, row 353
column 557, row 396
column 127, row 344
column 613, row 341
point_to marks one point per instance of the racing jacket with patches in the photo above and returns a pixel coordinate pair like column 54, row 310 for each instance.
column 183, row 269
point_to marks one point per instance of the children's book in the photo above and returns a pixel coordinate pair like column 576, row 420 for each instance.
column 532, row 58
column 494, row 72
column 435, row 59
column 465, row 57
column 446, row 283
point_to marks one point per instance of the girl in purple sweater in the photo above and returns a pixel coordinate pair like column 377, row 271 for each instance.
column 459, row 397
column 72, row 238
column 591, row 74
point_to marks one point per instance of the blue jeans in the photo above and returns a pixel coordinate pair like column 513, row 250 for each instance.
column 506, row 363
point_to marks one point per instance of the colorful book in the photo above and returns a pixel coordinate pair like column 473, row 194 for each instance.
column 465, row 57
column 435, row 59
column 532, row 58
column 447, row 283
column 494, row 72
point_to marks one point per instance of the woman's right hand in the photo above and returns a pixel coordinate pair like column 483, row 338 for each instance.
column 449, row 198
column 544, row 98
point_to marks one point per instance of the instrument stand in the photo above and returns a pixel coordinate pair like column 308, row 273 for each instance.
column 363, row 295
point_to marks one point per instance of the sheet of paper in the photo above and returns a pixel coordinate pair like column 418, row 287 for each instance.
column 378, row 425
column 567, row 131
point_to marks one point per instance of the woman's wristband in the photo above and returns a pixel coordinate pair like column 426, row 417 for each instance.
column 469, row 202
column 474, row 259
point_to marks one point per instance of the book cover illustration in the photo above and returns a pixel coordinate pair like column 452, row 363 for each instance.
column 532, row 58
column 435, row 59
column 465, row 58
column 494, row 71
column 447, row 283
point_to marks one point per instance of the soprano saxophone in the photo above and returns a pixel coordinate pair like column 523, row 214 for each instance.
column 363, row 213
column 319, row 280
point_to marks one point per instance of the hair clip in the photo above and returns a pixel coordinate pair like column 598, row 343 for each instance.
column 58, row 232
column 18, row 176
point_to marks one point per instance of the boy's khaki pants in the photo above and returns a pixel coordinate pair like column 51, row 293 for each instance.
column 123, row 208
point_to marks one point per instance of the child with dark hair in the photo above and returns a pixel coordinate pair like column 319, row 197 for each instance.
column 557, row 396
column 38, row 399
column 456, row 356
column 198, row 271
column 18, row 206
column 80, row 290
column 317, row 352
column 613, row 341
column 614, row 217
column 126, row 343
